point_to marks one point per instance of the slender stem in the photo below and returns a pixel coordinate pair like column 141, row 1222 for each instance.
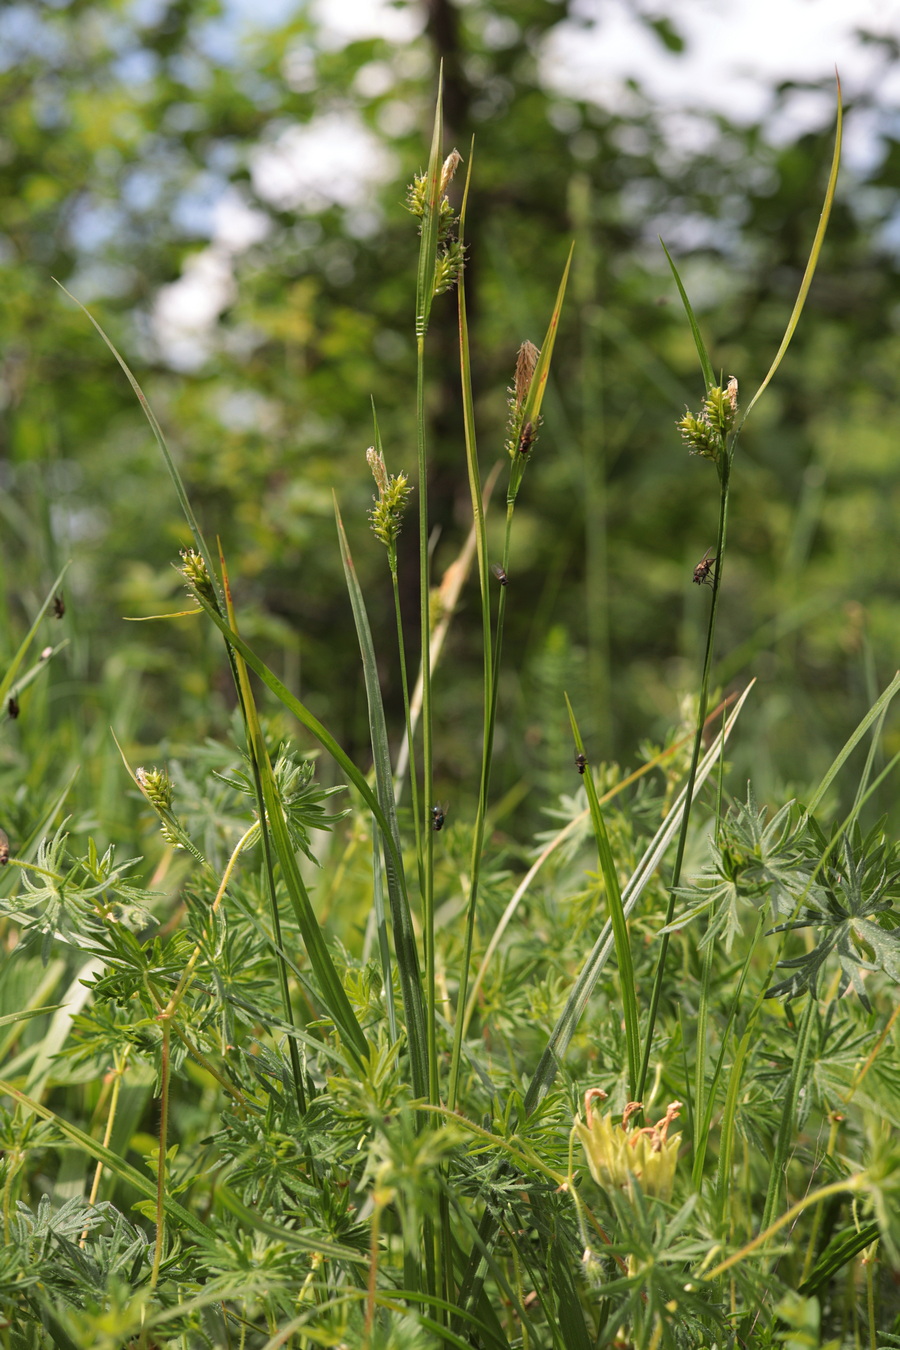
column 373, row 1276
column 870, row 1300
column 852, row 1183
column 820, row 1209
column 700, row 1065
column 161, row 1158
column 492, row 665
column 407, row 712
column 488, row 678
column 427, row 730
column 695, row 760
column 121, row 1063
column 187, row 976
column 789, row 1110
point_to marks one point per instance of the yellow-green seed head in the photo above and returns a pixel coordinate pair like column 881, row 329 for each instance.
column 705, row 434
column 447, row 268
column 618, row 1154
column 720, row 407
column 449, row 261
column 157, row 787
column 386, row 516
column 415, row 195
column 196, row 576
column 699, row 436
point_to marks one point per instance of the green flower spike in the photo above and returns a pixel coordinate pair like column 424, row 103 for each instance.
column 619, row 1155
column 155, row 783
column 197, row 579
column 449, row 261
column 386, row 515
column 706, row 434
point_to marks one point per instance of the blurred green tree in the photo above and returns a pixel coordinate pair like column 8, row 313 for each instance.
column 227, row 199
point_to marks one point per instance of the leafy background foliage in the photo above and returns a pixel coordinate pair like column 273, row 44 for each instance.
column 124, row 126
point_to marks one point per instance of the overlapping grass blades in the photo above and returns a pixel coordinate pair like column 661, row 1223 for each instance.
column 724, row 465
column 404, row 934
column 275, row 838
column 616, row 914
column 493, row 646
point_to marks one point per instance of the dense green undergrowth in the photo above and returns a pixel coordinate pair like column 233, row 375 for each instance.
column 351, row 1069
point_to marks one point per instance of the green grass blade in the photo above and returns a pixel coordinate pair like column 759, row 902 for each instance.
column 785, row 1139
column 538, row 386
column 178, row 484
column 875, row 712
column 839, row 1252
column 331, row 989
column 813, row 257
column 590, row 972
column 9, row 677
column 616, row 914
column 705, row 362
column 312, row 724
column 488, row 673
column 404, row 934
column 144, row 1185
column 727, row 1132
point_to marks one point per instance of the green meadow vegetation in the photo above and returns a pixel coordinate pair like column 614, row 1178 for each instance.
column 429, row 998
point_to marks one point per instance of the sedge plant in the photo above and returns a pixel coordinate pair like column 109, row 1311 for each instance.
column 244, row 1127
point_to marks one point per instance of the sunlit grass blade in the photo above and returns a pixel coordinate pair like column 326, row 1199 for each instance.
column 331, row 990
column 705, row 362
column 404, row 934
column 449, row 593
column 813, row 256
column 172, row 467
column 616, row 913
column 538, row 386
column 312, row 724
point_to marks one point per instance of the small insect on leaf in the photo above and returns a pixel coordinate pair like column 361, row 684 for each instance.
column 580, row 761
column 4, row 848
column 59, row 606
column 438, row 812
column 702, row 570
column 526, row 438
column 500, row 574
column 12, row 707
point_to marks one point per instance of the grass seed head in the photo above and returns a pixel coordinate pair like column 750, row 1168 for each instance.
column 705, row 433
column 193, row 569
column 157, row 787
column 386, row 515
